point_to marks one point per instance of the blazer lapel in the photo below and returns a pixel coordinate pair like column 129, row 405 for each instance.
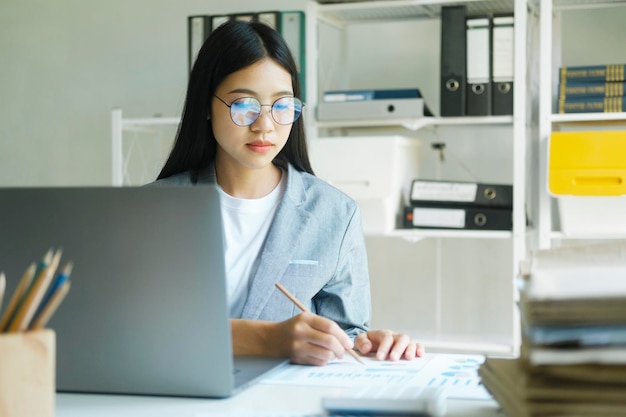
column 281, row 242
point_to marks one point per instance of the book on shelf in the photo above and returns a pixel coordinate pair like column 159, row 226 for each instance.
column 606, row 73
column 592, row 105
column 575, row 90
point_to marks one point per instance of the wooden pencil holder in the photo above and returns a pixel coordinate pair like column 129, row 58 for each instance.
column 27, row 374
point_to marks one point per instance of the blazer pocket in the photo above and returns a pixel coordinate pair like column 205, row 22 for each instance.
column 300, row 279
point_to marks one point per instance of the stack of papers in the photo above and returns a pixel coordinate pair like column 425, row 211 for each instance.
column 573, row 353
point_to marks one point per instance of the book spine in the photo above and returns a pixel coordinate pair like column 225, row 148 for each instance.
column 575, row 90
column 592, row 105
column 607, row 73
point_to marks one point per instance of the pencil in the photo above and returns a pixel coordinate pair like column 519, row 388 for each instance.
column 303, row 308
column 47, row 258
column 3, row 285
column 60, row 279
column 34, row 296
column 51, row 306
column 19, row 293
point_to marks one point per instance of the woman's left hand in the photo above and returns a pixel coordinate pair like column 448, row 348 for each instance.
column 386, row 344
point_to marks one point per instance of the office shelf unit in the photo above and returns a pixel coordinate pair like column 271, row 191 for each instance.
column 552, row 13
column 139, row 147
column 519, row 128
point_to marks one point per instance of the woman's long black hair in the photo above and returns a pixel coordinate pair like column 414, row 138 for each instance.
column 231, row 47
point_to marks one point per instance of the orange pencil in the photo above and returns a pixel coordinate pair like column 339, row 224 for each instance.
column 303, row 308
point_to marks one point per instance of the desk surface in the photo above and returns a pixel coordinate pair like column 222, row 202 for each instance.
column 259, row 400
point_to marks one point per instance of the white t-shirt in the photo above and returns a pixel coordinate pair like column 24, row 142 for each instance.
column 246, row 223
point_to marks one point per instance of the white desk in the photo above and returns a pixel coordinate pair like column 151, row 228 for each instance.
column 259, row 400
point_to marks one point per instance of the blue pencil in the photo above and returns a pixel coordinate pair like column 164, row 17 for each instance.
column 61, row 279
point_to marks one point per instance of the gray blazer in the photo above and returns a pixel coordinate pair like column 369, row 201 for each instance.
column 315, row 248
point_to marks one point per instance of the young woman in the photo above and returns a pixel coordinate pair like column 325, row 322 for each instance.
column 241, row 129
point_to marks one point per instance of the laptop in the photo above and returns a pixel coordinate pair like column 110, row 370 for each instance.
column 147, row 311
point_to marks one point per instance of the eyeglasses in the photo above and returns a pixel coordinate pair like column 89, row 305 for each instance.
column 246, row 110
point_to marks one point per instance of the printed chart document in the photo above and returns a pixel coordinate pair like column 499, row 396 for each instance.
column 456, row 372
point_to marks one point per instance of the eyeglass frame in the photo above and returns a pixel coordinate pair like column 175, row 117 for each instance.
column 271, row 106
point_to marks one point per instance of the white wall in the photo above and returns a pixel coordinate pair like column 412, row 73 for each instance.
column 65, row 64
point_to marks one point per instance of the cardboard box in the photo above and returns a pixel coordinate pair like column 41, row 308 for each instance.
column 27, row 374
column 376, row 171
column 587, row 175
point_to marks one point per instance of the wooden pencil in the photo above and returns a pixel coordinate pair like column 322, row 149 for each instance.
column 33, row 298
column 303, row 308
column 19, row 292
column 51, row 306
column 63, row 276
column 3, row 286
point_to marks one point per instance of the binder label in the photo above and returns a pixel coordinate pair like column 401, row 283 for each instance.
column 437, row 217
column 437, row 191
column 502, row 49
column 478, row 51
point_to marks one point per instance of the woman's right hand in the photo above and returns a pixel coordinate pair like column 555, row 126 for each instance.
column 309, row 339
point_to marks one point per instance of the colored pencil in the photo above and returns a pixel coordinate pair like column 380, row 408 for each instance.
column 17, row 296
column 33, row 298
column 50, row 307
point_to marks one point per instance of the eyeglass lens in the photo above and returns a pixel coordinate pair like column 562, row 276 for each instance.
column 246, row 110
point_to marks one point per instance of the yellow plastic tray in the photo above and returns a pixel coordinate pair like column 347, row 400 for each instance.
column 587, row 163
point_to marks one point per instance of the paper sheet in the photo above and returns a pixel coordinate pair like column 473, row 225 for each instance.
column 458, row 373
column 595, row 270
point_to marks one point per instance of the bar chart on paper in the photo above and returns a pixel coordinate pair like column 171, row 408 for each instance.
column 457, row 373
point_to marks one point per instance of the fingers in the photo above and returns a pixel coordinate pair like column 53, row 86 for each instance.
column 386, row 344
column 316, row 340
column 363, row 344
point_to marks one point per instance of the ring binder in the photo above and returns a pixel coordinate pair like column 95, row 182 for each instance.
column 427, row 192
column 479, row 66
column 453, row 61
column 502, row 45
column 457, row 217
